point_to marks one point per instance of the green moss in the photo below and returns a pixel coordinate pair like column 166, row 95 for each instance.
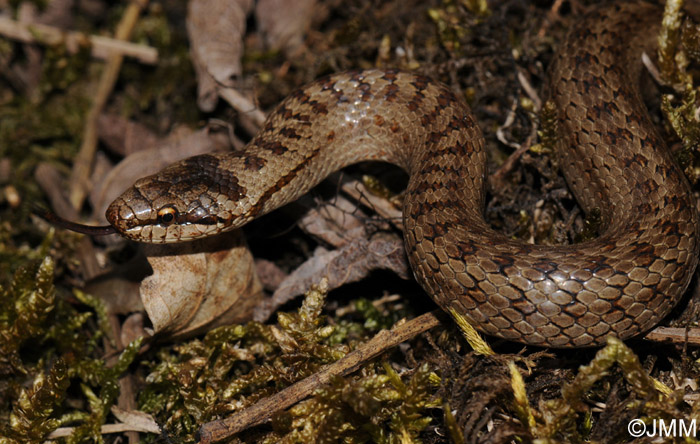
column 672, row 60
column 679, row 44
column 94, row 374
column 549, row 129
column 683, row 119
column 375, row 406
column 234, row 366
column 60, row 69
column 24, row 308
column 33, row 417
column 450, row 29
column 568, row 418
column 165, row 93
column 36, row 328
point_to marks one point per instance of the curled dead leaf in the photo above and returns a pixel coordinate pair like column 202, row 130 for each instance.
column 133, row 328
column 358, row 252
column 271, row 276
column 283, row 23
column 216, row 31
column 123, row 136
column 347, row 264
column 200, row 285
column 337, row 223
column 138, row 420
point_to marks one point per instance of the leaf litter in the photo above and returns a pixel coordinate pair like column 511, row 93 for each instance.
column 64, row 360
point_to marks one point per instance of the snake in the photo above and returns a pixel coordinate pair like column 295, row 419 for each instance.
column 621, row 283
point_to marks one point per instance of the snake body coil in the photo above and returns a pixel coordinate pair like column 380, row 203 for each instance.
column 621, row 283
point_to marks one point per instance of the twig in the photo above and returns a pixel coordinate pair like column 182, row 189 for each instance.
column 81, row 170
column 500, row 134
column 130, row 421
column 243, row 105
column 258, row 413
column 530, row 91
column 101, row 47
column 513, row 159
column 63, row 432
column 358, row 191
column 551, row 16
column 675, row 335
column 652, row 69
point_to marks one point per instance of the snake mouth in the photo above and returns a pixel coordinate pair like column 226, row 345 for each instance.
column 161, row 234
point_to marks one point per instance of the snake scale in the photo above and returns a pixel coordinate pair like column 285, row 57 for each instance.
column 621, row 283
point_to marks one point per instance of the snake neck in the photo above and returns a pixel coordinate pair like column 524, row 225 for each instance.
column 401, row 118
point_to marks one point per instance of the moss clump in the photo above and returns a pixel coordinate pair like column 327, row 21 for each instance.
column 45, row 345
column 375, row 406
column 234, row 366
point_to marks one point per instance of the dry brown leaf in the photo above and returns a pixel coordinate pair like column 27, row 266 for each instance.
column 51, row 182
column 199, row 285
column 100, row 168
column 336, row 223
column 119, row 292
column 144, row 163
column 379, row 204
column 350, row 263
column 342, row 225
column 57, row 13
column 133, row 328
column 123, row 136
column 216, row 29
column 283, row 23
column 271, row 276
column 136, row 419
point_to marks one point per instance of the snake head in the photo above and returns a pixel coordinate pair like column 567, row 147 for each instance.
column 185, row 201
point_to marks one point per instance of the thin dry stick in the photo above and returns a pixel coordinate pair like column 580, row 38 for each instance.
column 63, row 432
column 219, row 430
column 675, row 335
column 515, row 156
column 79, row 180
column 358, row 191
column 243, row 105
column 100, row 47
column 551, row 16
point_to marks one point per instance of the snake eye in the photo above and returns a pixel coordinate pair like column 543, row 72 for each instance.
column 167, row 215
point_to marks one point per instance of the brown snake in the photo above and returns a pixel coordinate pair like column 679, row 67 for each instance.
column 621, row 283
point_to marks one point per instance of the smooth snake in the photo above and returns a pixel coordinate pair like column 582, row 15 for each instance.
column 621, row 283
